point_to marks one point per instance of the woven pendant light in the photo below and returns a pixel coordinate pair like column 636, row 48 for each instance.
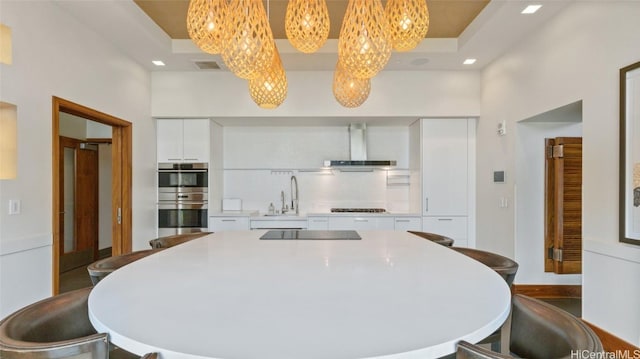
column 307, row 24
column 348, row 90
column 408, row 22
column 205, row 21
column 364, row 46
column 269, row 89
column 248, row 42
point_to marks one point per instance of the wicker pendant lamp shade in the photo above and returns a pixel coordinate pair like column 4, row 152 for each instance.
column 205, row 23
column 364, row 46
column 349, row 91
column 307, row 24
column 408, row 22
column 269, row 89
column 248, row 47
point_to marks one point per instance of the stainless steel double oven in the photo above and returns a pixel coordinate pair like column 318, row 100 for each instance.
column 183, row 190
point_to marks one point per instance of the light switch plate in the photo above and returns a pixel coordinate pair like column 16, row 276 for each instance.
column 14, row 206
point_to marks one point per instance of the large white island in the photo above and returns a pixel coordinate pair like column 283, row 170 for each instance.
column 231, row 295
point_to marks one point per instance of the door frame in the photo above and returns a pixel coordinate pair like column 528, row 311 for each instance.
column 121, row 150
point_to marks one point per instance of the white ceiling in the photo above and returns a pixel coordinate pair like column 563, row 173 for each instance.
column 498, row 27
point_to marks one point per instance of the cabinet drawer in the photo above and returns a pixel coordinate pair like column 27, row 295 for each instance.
column 452, row 227
column 277, row 224
column 408, row 224
column 220, row 224
column 361, row 223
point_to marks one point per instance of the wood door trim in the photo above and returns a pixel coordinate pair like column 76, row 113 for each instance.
column 122, row 177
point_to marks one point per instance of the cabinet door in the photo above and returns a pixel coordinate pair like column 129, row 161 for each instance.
column 169, row 137
column 221, row 224
column 319, row 223
column 445, row 167
column 196, row 140
column 408, row 224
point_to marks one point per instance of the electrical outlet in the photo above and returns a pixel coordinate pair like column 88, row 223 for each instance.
column 504, row 202
column 14, row 206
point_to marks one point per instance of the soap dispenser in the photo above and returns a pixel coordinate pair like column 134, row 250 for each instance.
column 272, row 209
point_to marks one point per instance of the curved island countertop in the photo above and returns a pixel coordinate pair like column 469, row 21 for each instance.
column 231, row 295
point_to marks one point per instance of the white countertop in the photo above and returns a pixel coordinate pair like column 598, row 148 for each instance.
column 231, row 295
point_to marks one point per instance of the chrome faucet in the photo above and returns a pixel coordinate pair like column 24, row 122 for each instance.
column 294, row 199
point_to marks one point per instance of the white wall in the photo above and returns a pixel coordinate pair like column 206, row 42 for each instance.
column 55, row 55
column 575, row 56
column 393, row 93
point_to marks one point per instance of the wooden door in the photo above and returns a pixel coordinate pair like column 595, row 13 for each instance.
column 563, row 205
column 78, row 188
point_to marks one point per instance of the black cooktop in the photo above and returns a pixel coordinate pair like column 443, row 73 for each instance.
column 358, row 210
column 311, row 234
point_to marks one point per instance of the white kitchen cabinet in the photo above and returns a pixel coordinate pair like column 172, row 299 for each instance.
column 228, row 223
column 183, row 140
column 293, row 223
column 445, row 167
column 318, row 223
column 361, row 223
column 455, row 228
column 407, row 223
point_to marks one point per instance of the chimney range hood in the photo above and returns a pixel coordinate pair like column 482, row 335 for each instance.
column 358, row 151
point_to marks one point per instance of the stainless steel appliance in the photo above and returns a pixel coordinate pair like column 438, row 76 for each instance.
column 182, row 198
column 183, row 177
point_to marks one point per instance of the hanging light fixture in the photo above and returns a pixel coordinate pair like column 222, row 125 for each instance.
column 205, row 21
column 307, row 24
column 408, row 22
column 364, row 45
column 269, row 89
column 348, row 90
column 248, row 45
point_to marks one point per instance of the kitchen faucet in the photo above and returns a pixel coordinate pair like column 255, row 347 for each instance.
column 294, row 199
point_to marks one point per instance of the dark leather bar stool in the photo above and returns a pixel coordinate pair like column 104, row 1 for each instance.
column 100, row 269
column 442, row 240
column 539, row 331
column 174, row 240
column 506, row 267
column 56, row 327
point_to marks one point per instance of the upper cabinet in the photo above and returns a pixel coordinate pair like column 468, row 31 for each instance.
column 445, row 166
column 183, row 140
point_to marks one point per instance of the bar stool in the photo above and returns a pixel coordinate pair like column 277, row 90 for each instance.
column 539, row 331
column 442, row 240
column 505, row 267
column 100, row 269
column 56, row 327
column 174, row 240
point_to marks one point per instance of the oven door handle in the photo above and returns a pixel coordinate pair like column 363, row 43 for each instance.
column 183, row 205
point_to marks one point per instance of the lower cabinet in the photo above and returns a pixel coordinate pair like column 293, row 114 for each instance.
column 293, row 223
column 361, row 223
column 227, row 223
column 318, row 223
column 454, row 227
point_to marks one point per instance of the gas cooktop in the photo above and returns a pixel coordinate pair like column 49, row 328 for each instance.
column 358, row 210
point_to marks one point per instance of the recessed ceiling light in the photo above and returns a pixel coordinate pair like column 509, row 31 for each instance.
column 158, row 63
column 531, row 9
column 469, row 61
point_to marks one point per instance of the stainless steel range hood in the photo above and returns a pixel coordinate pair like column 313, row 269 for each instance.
column 358, row 151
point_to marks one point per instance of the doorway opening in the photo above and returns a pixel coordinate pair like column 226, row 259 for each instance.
column 77, row 160
column 530, row 250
